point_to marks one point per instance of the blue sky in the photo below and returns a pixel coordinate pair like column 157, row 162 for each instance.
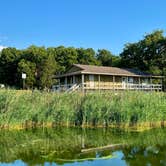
column 96, row 24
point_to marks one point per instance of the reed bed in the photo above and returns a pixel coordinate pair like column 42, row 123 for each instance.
column 127, row 109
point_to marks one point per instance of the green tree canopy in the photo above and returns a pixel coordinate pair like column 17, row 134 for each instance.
column 9, row 59
column 106, row 58
column 41, row 64
column 87, row 56
column 28, row 67
column 148, row 54
column 48, row 70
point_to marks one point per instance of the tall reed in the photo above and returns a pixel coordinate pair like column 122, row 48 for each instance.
column 127, row 108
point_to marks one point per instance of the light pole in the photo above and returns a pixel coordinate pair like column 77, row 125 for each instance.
column 23, row 78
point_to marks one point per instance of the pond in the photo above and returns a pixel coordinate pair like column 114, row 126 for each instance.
column 82, row 147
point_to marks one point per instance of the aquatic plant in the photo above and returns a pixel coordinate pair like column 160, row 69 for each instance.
column 24, row 109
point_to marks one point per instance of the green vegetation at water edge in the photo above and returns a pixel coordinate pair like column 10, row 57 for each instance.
column 27, row 109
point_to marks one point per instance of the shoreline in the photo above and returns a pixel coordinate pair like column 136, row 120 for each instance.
column 126, row 127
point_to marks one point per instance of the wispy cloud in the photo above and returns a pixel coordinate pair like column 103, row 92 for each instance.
column 2, row 40
column 2, row 47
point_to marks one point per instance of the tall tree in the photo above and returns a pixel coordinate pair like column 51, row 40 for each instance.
column 8, row 65
column 35, row 55
column 29, row 68
column 148, row 54
column 65, row 57
column 106, row 58
column 87, row 56
column 49, row 67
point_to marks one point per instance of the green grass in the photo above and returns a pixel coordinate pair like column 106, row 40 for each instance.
column 26, row 108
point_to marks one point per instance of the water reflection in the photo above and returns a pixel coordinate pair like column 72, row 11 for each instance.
column 145, row 156
column 63, row 146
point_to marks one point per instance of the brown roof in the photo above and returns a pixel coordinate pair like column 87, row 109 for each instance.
column 90, row 69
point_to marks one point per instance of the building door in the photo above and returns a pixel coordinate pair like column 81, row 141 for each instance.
column 91, row 81
column 124, row 82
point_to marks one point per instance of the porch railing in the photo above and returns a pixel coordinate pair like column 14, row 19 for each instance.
column 123, row 86
column 110, row 86
column 67, row 87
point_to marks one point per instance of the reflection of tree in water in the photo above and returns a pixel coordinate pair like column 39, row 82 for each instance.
column 145, row 156
column 48, row 145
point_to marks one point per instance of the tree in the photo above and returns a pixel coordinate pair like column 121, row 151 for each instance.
column 8, row 65
column 29, row 68
column 65, row 57
column 35, row 55
column 105, row 57
column 148, row 54
column 48, row 71
column 132, row 56
column 116, row 61
column 87, row 56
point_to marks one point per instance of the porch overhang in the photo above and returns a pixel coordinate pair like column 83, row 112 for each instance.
column 127, row 75
column 68, row 74
column 110, row 74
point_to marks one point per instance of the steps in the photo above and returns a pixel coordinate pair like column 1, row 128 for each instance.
column 73, row 88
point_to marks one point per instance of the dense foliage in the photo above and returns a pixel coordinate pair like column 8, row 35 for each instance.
column 41, row 64
column 27, row 108
column 148, row 54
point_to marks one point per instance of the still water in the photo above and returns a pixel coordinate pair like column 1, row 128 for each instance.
column 84, row 147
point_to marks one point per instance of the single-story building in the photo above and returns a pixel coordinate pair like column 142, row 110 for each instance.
column 88, row 77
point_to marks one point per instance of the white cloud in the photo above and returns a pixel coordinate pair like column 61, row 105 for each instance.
column 2, row 47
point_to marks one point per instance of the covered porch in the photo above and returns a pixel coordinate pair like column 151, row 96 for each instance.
column 86, row 82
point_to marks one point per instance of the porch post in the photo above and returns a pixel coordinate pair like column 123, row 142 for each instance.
column 74, row 79
column 113, row 82
column 151, row 83
column 66, row 82
column 99, row 82
column 139, row 83
column 162, row 84
column 59, row 82
column 82, row 81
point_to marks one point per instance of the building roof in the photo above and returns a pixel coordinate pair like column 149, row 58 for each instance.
column 102, row 70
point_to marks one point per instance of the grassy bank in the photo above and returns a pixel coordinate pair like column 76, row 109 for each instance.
column 21, row 109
